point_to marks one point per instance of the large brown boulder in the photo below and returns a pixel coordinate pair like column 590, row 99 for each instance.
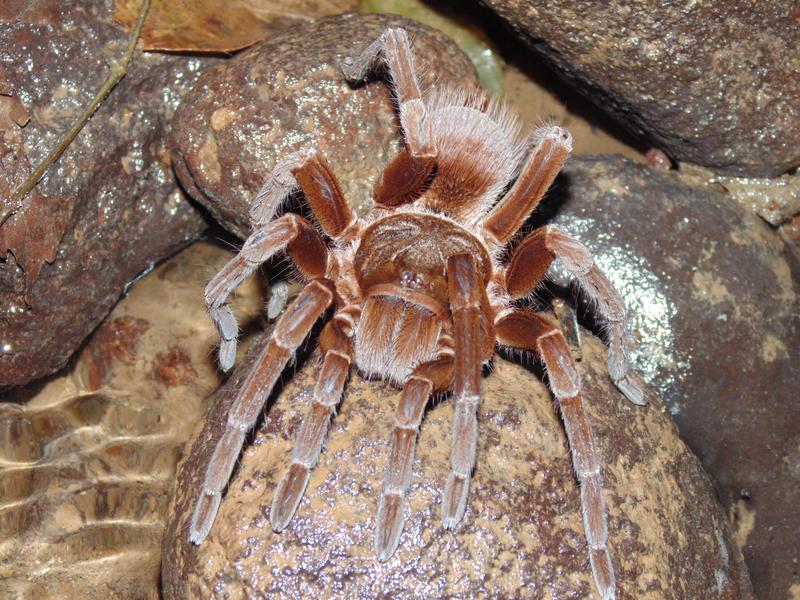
column 110, row 207
column 287, row 93
column 713, row 302
column 712, row 83
column 522, row 534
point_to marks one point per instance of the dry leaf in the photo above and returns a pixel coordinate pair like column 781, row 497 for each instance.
column 33, row 231
column 13, row 161
column 33, row 234
column 214, row 26
column 12, row 110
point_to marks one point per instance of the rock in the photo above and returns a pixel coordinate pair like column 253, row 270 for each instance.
column 774, row 199
column 710, row 83
column 110, row 207
column 522, row 535
column 712, row 294
column 87, row 461
column 791, row 230
column 288, row 92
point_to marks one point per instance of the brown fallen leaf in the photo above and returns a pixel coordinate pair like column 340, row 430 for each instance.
column 11, row 108
column 213, row 26
column 36, row 224
column 33, row 233
column 13, row 162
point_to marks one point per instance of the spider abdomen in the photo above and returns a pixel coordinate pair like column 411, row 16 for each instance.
column 478, row 153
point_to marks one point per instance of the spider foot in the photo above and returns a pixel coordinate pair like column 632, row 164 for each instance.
column 287, row 496
column 455, row 500
column 350, row 70
column 228, row 330
column 357, row 68
column 632, row 389
column 389, row 525
column 227, row 354
column 203, row 517
column 619, row 368
column 603, row 572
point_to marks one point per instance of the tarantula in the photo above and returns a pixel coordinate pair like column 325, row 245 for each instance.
column 422, row 295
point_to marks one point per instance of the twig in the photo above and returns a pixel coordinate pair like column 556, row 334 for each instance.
column 118, row 70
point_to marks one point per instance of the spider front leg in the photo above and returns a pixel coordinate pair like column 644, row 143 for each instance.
column 552, row 146
column 527, row 268
column 393, row 45
column 308, row 171
column 291, row 233
column 337, row 350
column 430, row 377
column 290, row 331
column 529, row 331
column 467, row 301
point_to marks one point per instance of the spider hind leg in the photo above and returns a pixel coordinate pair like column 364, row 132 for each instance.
column 428, row 378
column 337, row 351
column 529, row 331
column 290, row 331
column 393, row 46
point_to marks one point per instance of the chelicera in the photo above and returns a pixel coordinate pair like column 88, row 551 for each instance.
column 423, row 290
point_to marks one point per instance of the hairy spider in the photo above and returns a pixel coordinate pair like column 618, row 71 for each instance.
column 422, row 295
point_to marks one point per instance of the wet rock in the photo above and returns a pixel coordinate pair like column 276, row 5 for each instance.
column 711, row 83
column 521, row 536
column 115, row 341
column 791, row 230
column 173, row 368
column 288, row 93
column 712, row 294
column 109, row 207
column 86, row 463
column 774, row 199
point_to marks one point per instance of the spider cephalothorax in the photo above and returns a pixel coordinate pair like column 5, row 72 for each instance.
column 422, row 296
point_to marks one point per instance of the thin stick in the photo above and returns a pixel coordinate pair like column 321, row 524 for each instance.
column 118, row 70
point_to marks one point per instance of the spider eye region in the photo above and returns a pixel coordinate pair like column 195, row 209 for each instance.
column 410, row 251
column 413, row 279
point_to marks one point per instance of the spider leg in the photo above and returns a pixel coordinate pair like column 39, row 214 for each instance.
column 336, row 344
column 278, row 186
column 393, row 45
column 527, row 268
column 309, row 171
column 552, row 148
column 467, row 299
column 323, row 194
column 289, row 232
column 433, row 376
column 530, row 331
column 290, row 331
column 404, row 179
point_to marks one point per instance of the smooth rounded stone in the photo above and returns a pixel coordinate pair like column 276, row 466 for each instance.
column 712, row 296
column 521, row 536
column 110, row 207
column 287, row 93
column 711, row 83
column 87, row 462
